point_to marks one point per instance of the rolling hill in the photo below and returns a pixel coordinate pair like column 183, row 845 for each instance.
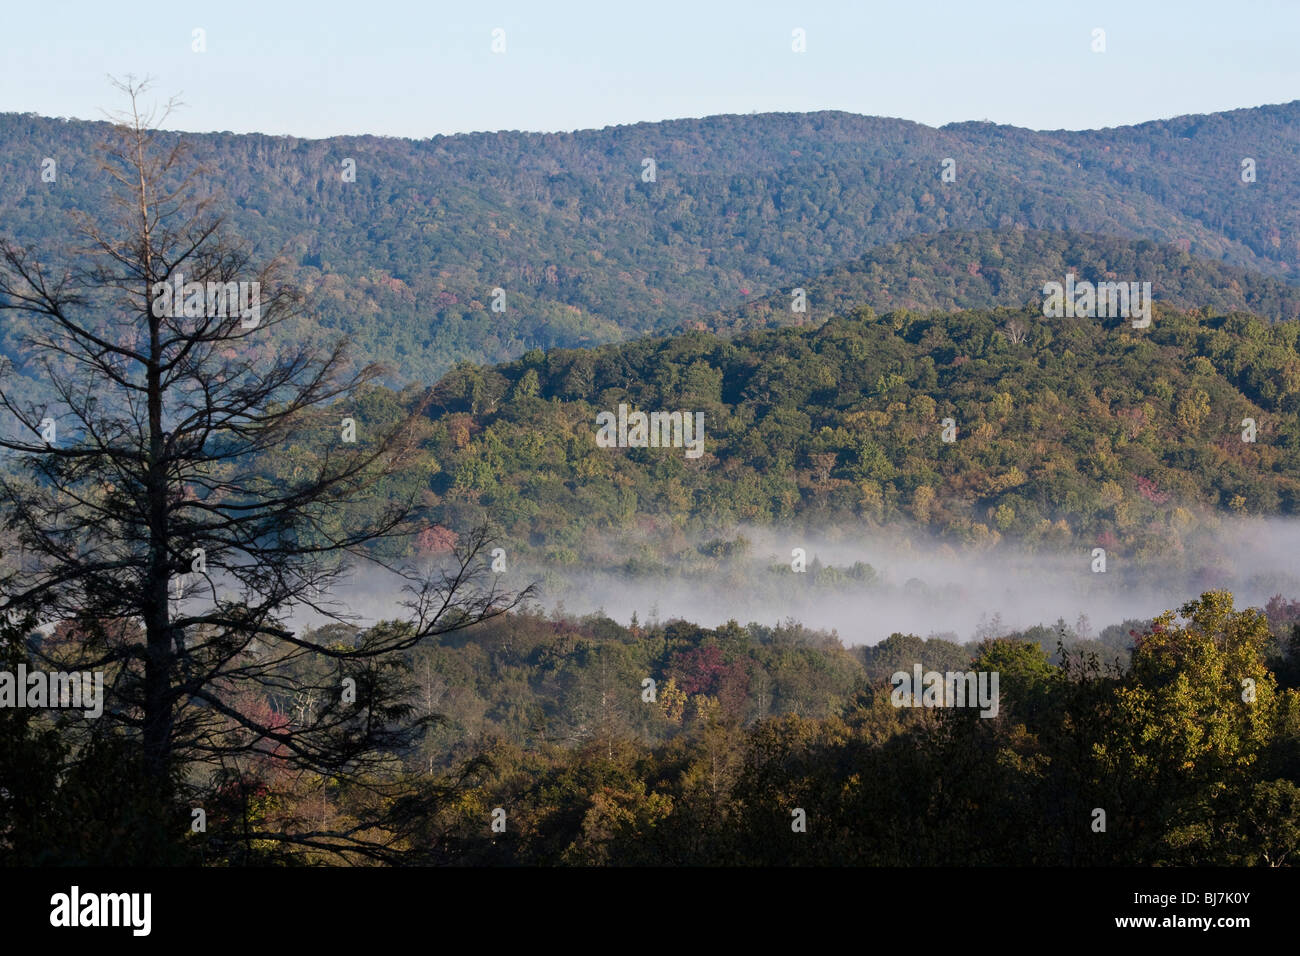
column 405, row 258
column 1075, row 431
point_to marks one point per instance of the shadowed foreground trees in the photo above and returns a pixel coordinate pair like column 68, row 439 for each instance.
column 1184, row 769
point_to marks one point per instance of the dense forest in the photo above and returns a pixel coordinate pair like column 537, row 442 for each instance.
column 589, row 248
column 763, row 745
column 949, row 271
column 1067, row 432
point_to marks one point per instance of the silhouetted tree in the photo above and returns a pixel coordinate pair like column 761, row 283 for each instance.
column 192, row 485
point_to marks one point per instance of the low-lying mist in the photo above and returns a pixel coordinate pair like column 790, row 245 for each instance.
column 866, row 584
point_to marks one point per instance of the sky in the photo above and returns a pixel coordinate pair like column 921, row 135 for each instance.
column 418, row 69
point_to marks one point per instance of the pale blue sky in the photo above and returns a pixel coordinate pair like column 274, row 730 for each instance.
column 419, row 68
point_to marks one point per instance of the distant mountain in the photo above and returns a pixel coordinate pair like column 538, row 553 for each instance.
column 986, row 269
column 589, row 247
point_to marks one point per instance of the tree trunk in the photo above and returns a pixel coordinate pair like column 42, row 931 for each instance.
column 157, row 619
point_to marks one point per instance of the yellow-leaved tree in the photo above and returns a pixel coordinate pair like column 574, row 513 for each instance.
column 1189, row 725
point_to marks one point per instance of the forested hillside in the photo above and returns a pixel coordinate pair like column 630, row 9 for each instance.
column 1065, row 431
column 989, row 269
column 406, row 257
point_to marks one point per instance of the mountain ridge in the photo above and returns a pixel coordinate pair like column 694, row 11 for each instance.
column 404, row 259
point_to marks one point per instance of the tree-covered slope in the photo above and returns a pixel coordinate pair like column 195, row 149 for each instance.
column 405, row 258
column 986, row 269
column 1086, row 430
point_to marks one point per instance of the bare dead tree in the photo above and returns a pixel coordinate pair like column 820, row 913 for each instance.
column 188, row 488
column 1014, row 330
column 822, row 465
